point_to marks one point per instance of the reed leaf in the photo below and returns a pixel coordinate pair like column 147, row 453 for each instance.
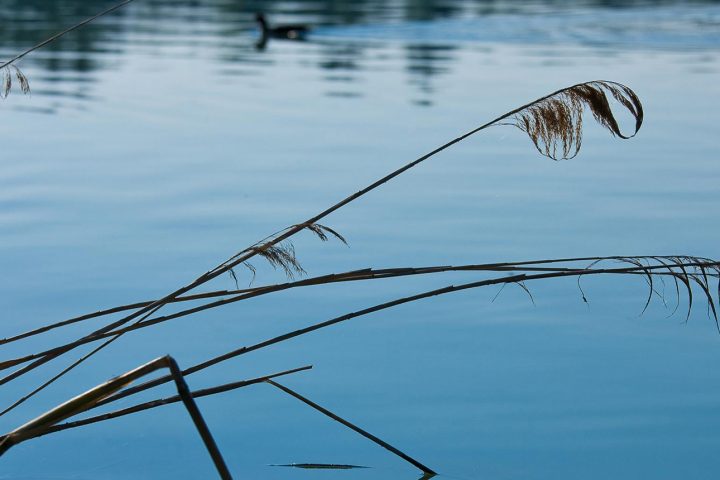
column 668, row 266
column 321, row 231
column 648, row 277
column 526, row 290
column 253, row 271
column 234, row 277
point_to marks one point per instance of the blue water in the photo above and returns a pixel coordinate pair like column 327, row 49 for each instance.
column 159, row 141
column 674, row 27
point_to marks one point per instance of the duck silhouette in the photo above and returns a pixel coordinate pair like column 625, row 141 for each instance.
column 291, row 32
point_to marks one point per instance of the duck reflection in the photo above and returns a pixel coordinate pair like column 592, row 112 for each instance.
column 219, row 30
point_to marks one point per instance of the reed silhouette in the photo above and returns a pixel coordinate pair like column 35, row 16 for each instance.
column 554, row 123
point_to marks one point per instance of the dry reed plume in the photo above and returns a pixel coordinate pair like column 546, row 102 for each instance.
column 7, row 80
column 555, row 123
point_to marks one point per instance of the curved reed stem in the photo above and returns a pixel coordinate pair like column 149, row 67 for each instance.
column 269, row 248
column 378, row 274
column 386, row 305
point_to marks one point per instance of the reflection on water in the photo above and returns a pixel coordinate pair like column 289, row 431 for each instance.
column 345, row 33
column 174, row 142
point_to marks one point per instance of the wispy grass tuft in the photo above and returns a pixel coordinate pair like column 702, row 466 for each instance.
column 22, row 79
column 8, row 68
column 7, row 80
column 281, row 256
column 321, row 231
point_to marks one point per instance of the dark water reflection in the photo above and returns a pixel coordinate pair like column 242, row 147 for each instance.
column 174, row 142
column 431, row 30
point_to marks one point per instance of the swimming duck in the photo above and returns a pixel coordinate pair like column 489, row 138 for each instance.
column 292, row 32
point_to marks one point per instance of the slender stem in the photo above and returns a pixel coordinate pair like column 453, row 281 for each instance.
column 110, row 311
column 187, row 398
column 45, row 384
column 354, row 275
column 87, row 400
column 367, row 274
column 352, row 426
column 80, row 403
column 60, row 34
column 366, row 311
column 248, row 253
column 168, row 400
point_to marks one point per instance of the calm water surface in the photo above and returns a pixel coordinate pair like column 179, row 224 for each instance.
column 160, row 140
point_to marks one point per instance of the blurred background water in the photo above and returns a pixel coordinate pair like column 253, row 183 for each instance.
column 159, row 140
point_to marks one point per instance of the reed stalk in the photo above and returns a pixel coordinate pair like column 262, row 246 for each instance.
column 89, row 399
column 375, row 308
column 701, row 279
column 168, row 400
column 50, row 40
column 354, row 275
column 550, row 120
